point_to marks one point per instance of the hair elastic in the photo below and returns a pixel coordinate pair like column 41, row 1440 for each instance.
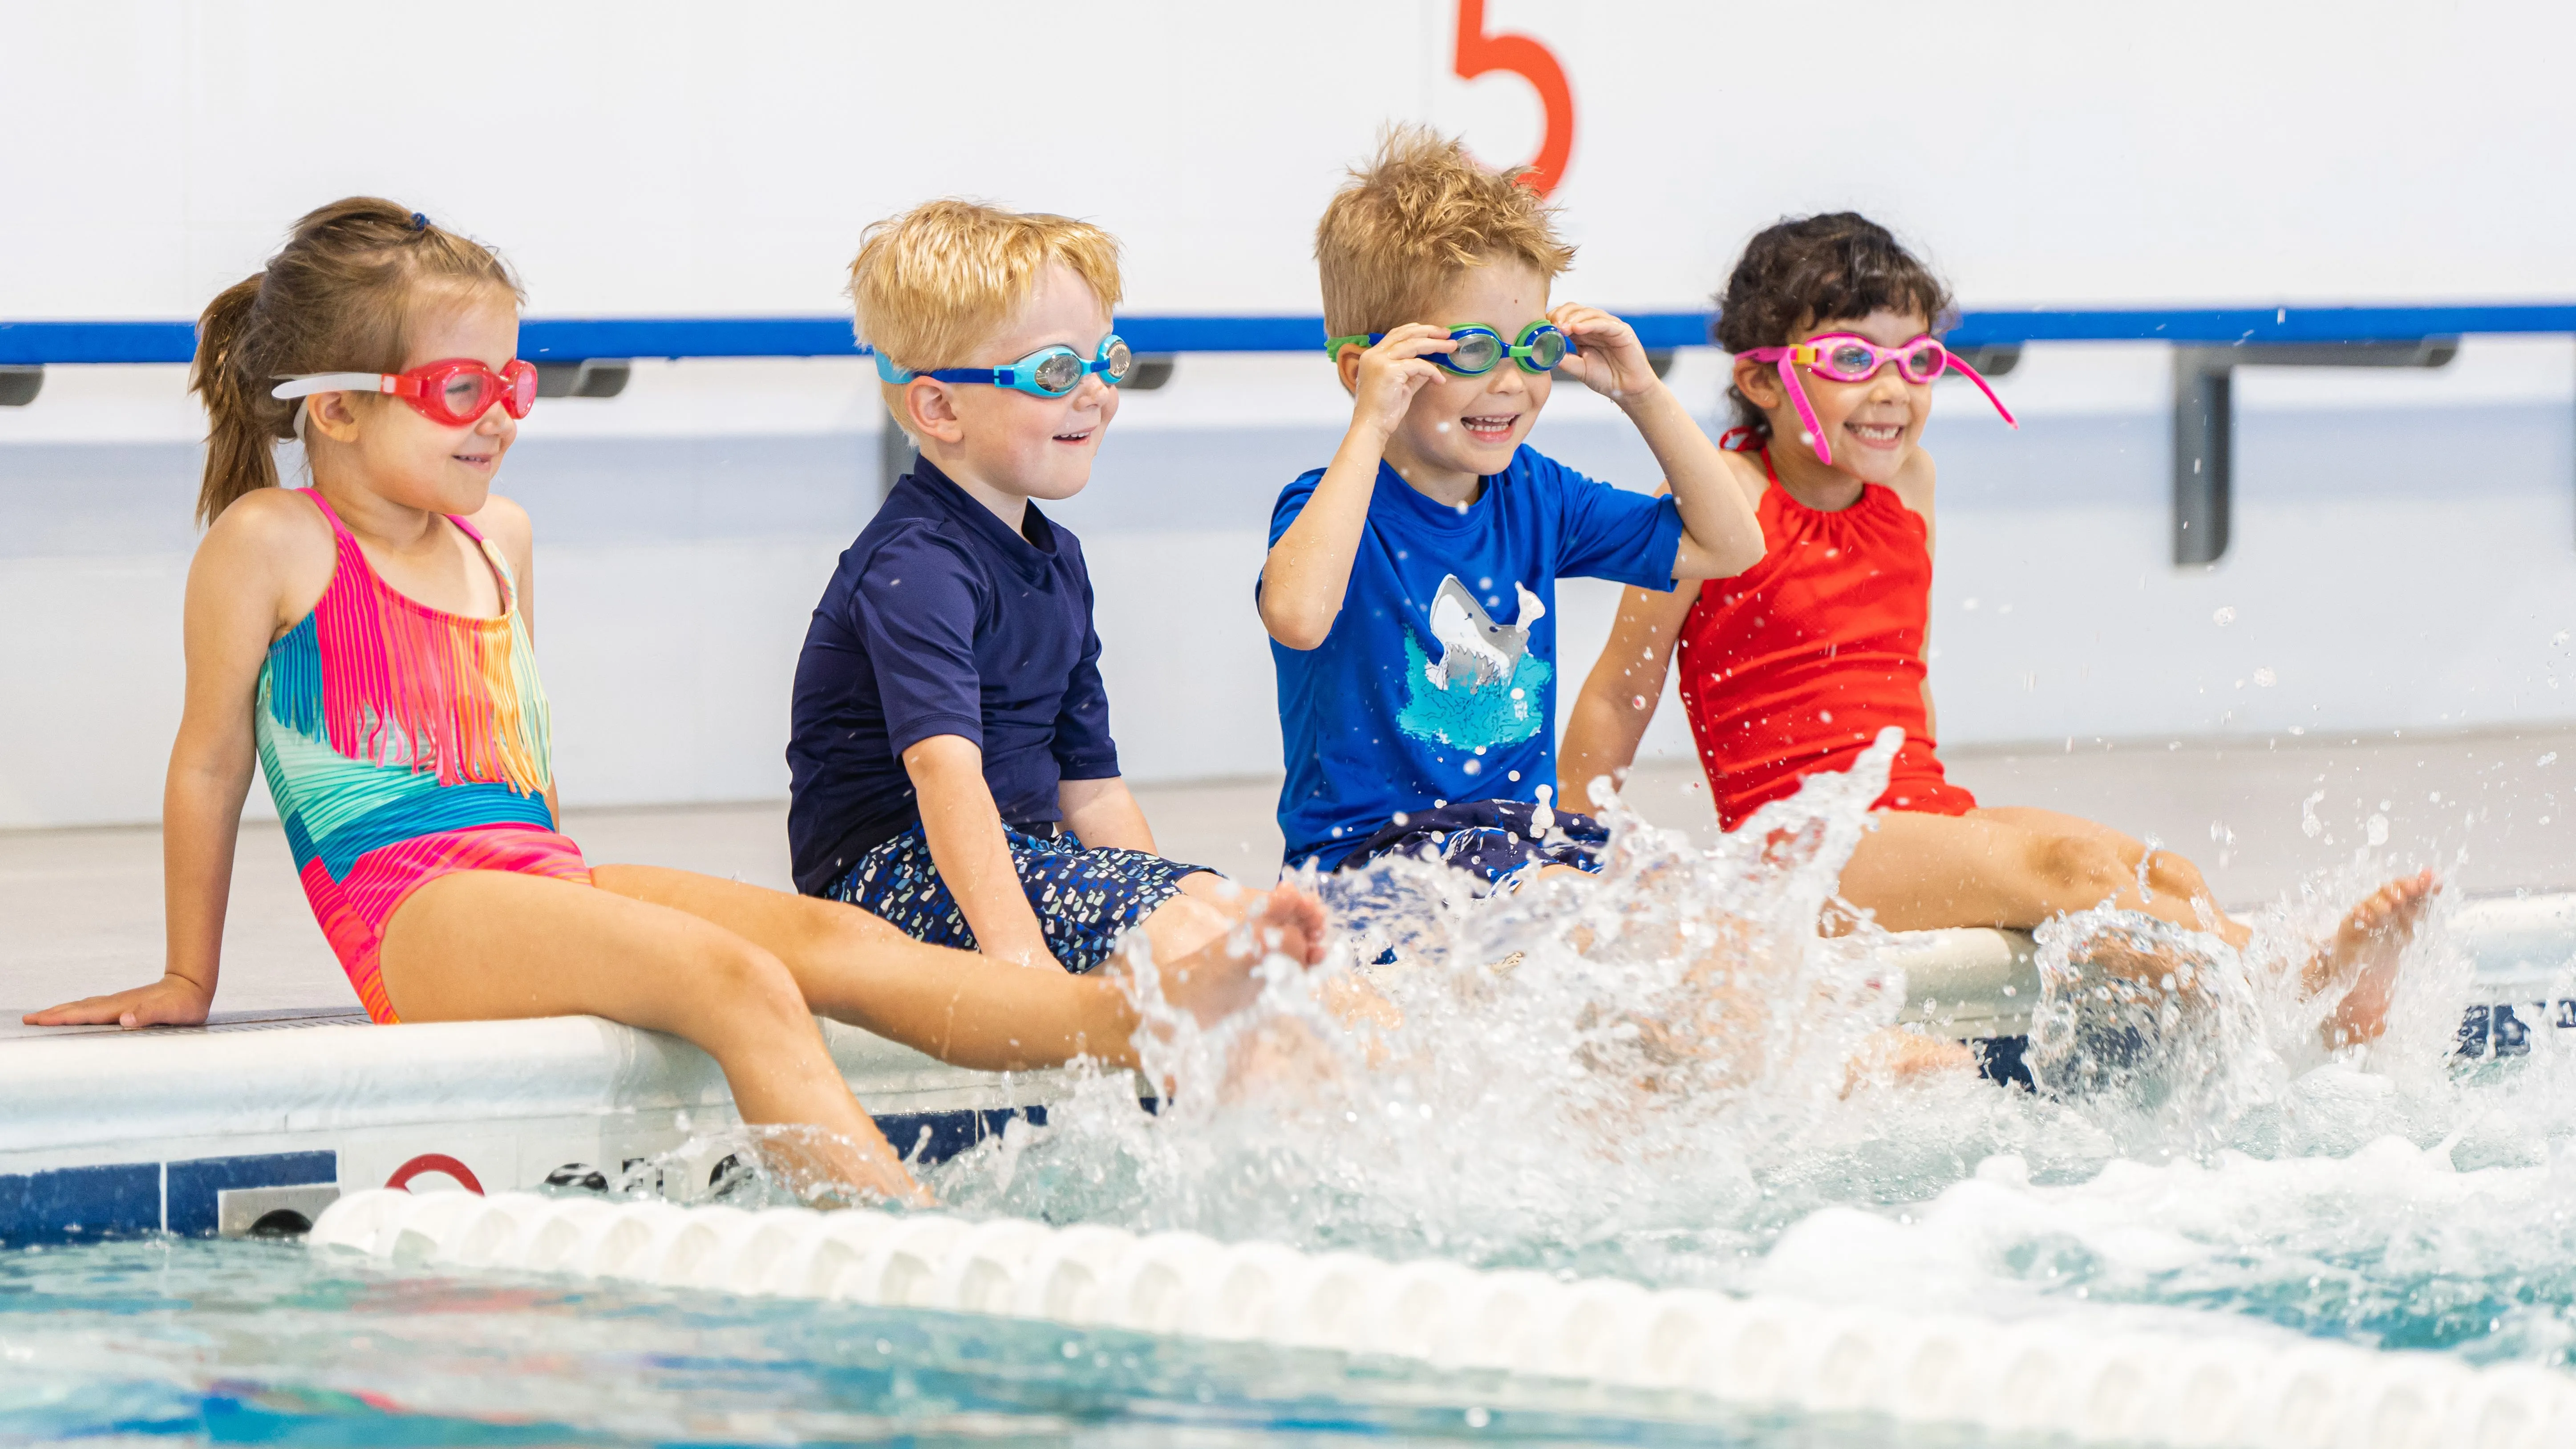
column 419, row 222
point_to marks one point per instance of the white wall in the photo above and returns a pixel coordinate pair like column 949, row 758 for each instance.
column 2405, row 544
column 710, row 158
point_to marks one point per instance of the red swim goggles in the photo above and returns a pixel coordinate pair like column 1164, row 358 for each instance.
column 456, row 392
column 1842, row 357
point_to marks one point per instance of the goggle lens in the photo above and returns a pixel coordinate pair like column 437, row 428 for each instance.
column 1923, row 361
column 1060, row 373
column 1119, row 362
column 471, row 394
column 1848, row 361
column 1474, row 353
column 1546, row 350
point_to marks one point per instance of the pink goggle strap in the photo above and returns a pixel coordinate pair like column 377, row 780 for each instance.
column 2009, row 420
column 1806, row 412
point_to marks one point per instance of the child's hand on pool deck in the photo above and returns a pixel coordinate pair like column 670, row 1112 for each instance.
column 174, row 1000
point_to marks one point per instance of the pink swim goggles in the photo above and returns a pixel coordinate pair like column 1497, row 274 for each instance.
column 1843, row 357
column 456, row 392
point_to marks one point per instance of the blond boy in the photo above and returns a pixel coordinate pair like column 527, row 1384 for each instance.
column 951, row 764
column 1410, row 588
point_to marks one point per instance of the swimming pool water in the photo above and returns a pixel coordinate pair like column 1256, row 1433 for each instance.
column 257, row 1343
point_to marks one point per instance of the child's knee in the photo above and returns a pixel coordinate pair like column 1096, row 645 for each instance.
column 751, row 985
column 2083, row 866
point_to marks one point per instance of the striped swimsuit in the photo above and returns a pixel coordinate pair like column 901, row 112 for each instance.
column 401, row 744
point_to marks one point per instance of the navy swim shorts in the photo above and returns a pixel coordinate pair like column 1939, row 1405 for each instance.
column 1084, row 899
column 1487, row 838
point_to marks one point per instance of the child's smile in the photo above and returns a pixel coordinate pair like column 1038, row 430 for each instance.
column 1464, row 429
column 1871, row 426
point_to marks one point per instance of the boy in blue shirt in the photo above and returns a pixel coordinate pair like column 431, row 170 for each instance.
column 1410, row 587
column 951, row 767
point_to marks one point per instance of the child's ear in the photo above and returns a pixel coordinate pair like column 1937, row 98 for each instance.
column 932, row 411
column 1348, row 365
column 332, row 414
column 1760, row 382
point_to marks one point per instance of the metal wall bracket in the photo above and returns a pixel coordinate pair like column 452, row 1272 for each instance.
column 590, row 377
column 2204, row 422
column 19, row 385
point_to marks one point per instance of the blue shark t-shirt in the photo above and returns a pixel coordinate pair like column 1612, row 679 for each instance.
column 1437, row 684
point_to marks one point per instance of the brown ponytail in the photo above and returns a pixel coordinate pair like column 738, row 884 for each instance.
column 338, row 297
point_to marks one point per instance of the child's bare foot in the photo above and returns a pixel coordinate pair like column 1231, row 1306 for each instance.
column 1893, row 1055
column 1216, row 980
column 2364, row 951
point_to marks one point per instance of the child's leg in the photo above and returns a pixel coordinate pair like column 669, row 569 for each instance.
column 962, row 1007
column 2016, row 867
column 492, row 945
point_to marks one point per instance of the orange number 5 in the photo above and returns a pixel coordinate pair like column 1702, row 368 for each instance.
column 1481, row 54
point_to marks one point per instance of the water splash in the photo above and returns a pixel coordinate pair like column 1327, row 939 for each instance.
column 1649, row 1075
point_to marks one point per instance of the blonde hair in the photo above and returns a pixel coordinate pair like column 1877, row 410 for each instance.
column 340, row 296
column 1407, row 225
column 933, row 284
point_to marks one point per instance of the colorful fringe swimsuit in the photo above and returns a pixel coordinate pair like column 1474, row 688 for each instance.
column 401, row 744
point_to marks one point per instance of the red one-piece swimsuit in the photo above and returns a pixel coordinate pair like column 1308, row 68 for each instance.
column 1796, row 664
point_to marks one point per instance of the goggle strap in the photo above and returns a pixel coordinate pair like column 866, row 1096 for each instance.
column 2009, row 420
column 1806, row 413
column 295, row 387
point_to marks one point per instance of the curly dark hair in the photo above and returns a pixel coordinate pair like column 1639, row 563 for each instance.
column 1800, row 271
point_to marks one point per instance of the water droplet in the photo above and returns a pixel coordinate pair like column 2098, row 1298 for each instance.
column 2224, row 617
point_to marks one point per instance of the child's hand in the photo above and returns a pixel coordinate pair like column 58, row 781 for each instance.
column 1606, row 356
column 170, row 1001
column 1392, row 372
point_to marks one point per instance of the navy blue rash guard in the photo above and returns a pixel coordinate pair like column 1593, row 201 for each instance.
column 942, row 621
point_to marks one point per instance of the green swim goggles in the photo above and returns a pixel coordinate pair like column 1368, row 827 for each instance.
column 1048, row 372
column 1477, row 349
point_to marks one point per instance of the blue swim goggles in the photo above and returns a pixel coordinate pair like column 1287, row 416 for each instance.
column 1477, row 349
column 1048, row 372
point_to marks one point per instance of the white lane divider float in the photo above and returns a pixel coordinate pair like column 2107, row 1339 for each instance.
column 2057, row 1376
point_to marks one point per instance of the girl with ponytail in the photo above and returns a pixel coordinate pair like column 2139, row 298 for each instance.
column 367, row 641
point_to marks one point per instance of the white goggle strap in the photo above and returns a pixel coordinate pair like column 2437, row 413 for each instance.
column 334, row 382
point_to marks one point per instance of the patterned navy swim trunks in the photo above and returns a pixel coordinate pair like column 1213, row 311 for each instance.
column 1487, row 838
column 1084, row 899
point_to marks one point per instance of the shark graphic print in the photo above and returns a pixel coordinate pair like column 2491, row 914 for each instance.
column 1484, row 687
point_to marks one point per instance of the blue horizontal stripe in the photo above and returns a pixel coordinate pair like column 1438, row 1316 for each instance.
column 75, row 1204
column 451, row 807
column 572, row 339
column 191, row 1189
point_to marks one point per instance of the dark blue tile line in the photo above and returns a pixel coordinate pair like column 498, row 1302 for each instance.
column 192, row 1186
column 570, row 339
column 937, row 1136
column 78, row 1204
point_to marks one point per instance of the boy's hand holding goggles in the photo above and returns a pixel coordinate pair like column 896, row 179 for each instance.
column 1842, row 357
column 1476, row 349
column 1051, row 371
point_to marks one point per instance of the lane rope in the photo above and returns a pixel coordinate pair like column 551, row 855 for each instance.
column 2059, row 1375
